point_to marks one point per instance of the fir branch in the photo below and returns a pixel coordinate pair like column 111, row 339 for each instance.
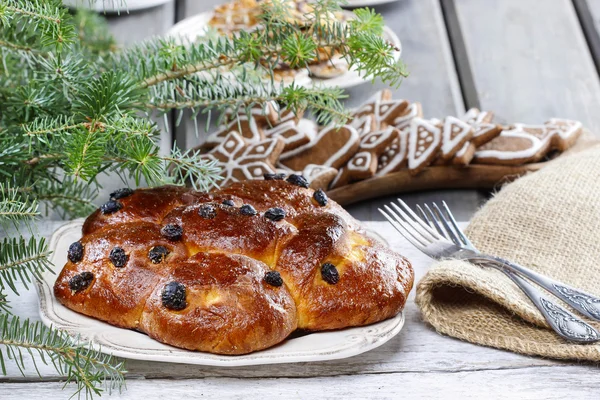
column 15, row 207
column 91, row 370
column 23, row 260
column 84, row 151
column 15, row 46
column 186, row 167
column 70, row 198
column 241, row 91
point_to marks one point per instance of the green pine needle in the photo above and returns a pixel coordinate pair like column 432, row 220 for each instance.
column 16, row 207
column 92, row 371
column 22, row 260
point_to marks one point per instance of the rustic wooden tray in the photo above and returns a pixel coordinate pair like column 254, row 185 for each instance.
column 475, row 176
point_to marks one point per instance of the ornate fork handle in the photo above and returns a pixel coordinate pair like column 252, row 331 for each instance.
column 562, row 321
column 585, row 303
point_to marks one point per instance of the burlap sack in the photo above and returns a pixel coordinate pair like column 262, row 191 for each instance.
column 548, row 221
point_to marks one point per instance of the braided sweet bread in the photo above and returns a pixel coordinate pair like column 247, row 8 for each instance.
column 232, row 271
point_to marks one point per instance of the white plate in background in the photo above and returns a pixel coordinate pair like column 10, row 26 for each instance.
column 195, row 26
column 365, row 3
column 115, row 6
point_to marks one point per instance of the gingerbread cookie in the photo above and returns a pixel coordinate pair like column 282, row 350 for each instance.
column 424, row 143
column 332, row 147
column 384, row 109
column 414, row 110
column 394, row 156
column 247, row 123
column 519, row 145
column 319, row 176
column 293, row 133
column 455, row 134
column 363, row 164
column 241, row 161
column 364, row 124
column 483, row 131
column 564, row 133
column 464, row 155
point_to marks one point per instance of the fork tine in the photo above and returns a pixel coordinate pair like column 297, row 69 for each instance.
column 418, row 225
column 401, row 229
column 459, row 231
column 416, row 218
column 408, row 229
column 435, row 221
column 424, row 216
column 453, row 235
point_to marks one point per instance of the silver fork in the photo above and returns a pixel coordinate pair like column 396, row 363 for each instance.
column 429, row 237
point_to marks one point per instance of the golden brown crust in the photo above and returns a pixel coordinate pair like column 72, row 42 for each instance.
column 231, row 310
column 221, row 258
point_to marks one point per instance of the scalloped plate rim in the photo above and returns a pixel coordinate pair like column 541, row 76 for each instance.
column 347, row 342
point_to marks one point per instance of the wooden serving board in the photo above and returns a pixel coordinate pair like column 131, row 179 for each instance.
column 475, row 176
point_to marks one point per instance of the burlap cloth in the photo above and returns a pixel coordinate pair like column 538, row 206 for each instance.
column 548, row 221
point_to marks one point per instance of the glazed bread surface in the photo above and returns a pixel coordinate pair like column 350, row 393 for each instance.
column 232, row 271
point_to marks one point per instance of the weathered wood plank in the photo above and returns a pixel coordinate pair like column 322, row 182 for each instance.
column 136, row 26
column 418, row 348
column 588, row 12
column 550, row 383
column 530, row 60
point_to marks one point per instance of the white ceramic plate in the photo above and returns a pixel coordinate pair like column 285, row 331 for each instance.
column 194, row 27
column 127, row 343
column 366, row 3
column 114, row 6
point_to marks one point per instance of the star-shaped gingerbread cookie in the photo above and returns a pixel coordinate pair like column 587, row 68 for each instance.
column 242, row 161
column 383, row 108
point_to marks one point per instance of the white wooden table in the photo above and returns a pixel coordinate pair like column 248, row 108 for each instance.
column 527, row 60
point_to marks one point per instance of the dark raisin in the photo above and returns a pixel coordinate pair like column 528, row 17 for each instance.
column 75, row 253
column 275, row 214
column 247, row 209
column 118, row 257
column 81, row 281
column 320, row 197
column 229, row 203
column 110, row 207
column 157, row 254
column 120, row 193
column 330, row 273
column 274, row 177
column 207, row 211
column 273, row 278
column 172, row 231
column 173, row 296
column 298, row 180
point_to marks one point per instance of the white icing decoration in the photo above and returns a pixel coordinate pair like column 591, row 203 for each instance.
column 413, row 111
column 397, row 156
column 450, row 142
column 250, row 165
column 564, row 128
column 416, row 159
column 463, row 150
